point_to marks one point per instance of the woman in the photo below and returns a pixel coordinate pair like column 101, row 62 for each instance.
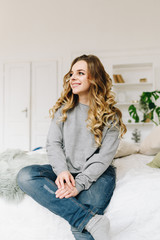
column 82, row 141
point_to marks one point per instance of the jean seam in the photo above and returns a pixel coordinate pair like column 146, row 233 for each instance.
column 80, row 205
column 90, row 213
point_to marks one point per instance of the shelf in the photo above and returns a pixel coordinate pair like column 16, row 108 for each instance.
column 132, row 84
column 132, row 73
column 133, row 66
column 139, row 124
column 126, row 104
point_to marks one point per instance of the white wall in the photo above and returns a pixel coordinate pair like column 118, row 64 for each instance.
column 48, row 28
column 32, row 30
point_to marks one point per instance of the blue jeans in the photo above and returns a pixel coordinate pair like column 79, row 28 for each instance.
column 38, row 181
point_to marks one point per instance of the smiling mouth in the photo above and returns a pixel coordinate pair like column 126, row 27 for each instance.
column 75, row 85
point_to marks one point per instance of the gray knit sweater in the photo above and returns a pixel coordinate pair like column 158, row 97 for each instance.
column 71, row 146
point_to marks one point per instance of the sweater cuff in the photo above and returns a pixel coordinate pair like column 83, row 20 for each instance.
column 79, row 187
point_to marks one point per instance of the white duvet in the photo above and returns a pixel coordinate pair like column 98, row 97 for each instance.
column 134, row 210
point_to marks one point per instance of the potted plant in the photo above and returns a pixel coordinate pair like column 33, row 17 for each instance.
column 147, row 105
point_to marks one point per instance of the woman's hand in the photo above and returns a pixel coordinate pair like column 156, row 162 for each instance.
column 65, row 177
column 66, row 192
column 66, row 185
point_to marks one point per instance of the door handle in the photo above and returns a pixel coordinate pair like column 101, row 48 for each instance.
column 25, row 111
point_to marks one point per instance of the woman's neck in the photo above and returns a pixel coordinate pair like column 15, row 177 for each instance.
column 84, row 100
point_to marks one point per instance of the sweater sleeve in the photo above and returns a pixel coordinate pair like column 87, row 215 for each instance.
column 97, row 164
column 54, row 146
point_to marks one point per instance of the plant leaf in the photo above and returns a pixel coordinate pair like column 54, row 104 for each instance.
column 133, row 113
column 155, row 94
column 158, row 113
column 152, row 105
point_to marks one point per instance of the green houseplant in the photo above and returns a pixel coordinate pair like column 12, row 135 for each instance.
column 147, row 105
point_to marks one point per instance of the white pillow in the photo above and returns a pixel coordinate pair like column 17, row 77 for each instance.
column 126, row 148
column 151, row 144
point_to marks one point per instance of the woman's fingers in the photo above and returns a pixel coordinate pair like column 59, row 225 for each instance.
column 68, row 195
column 72, row 180
column 62, row 183
column 65, row 177
column 66, row 192
column 58, row 183
column 72, row 193
column 69, row 182
column 61, row 193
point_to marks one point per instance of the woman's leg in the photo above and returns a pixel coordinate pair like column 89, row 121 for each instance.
column 99, row 196
column 38, row 181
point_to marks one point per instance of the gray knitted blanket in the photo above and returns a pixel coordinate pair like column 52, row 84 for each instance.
column 11, row 161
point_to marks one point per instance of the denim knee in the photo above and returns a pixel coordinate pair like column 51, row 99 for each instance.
column 24, row 175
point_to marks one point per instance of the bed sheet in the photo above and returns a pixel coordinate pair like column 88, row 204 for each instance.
column 134, row 210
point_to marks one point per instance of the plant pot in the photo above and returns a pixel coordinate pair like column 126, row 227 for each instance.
column 147, row 117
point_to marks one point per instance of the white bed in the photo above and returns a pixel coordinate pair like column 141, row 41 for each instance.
column 134, row 210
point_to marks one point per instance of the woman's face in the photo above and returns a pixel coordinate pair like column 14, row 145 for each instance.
column 79, row 80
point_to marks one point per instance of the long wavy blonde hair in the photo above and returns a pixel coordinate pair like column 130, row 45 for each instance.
column 102, row 110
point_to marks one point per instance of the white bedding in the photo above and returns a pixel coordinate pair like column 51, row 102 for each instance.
column 134, row 210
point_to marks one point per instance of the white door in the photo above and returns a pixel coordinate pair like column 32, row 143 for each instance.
column 1, row 107
column 17, row 106
column 44, row 95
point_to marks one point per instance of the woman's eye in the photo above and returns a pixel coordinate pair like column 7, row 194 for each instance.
column 81, row 73
column 70, row 75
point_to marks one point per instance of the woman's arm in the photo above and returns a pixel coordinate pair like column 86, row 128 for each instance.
column 56, row 154
column 99, row 162
column 54, row 146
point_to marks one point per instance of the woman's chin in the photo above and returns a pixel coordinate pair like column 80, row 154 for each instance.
column 75, row 91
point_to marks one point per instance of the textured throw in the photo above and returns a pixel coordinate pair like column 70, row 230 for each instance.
column 11, row 161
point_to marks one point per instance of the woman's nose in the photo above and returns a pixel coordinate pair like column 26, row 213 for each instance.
column 73, row 76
